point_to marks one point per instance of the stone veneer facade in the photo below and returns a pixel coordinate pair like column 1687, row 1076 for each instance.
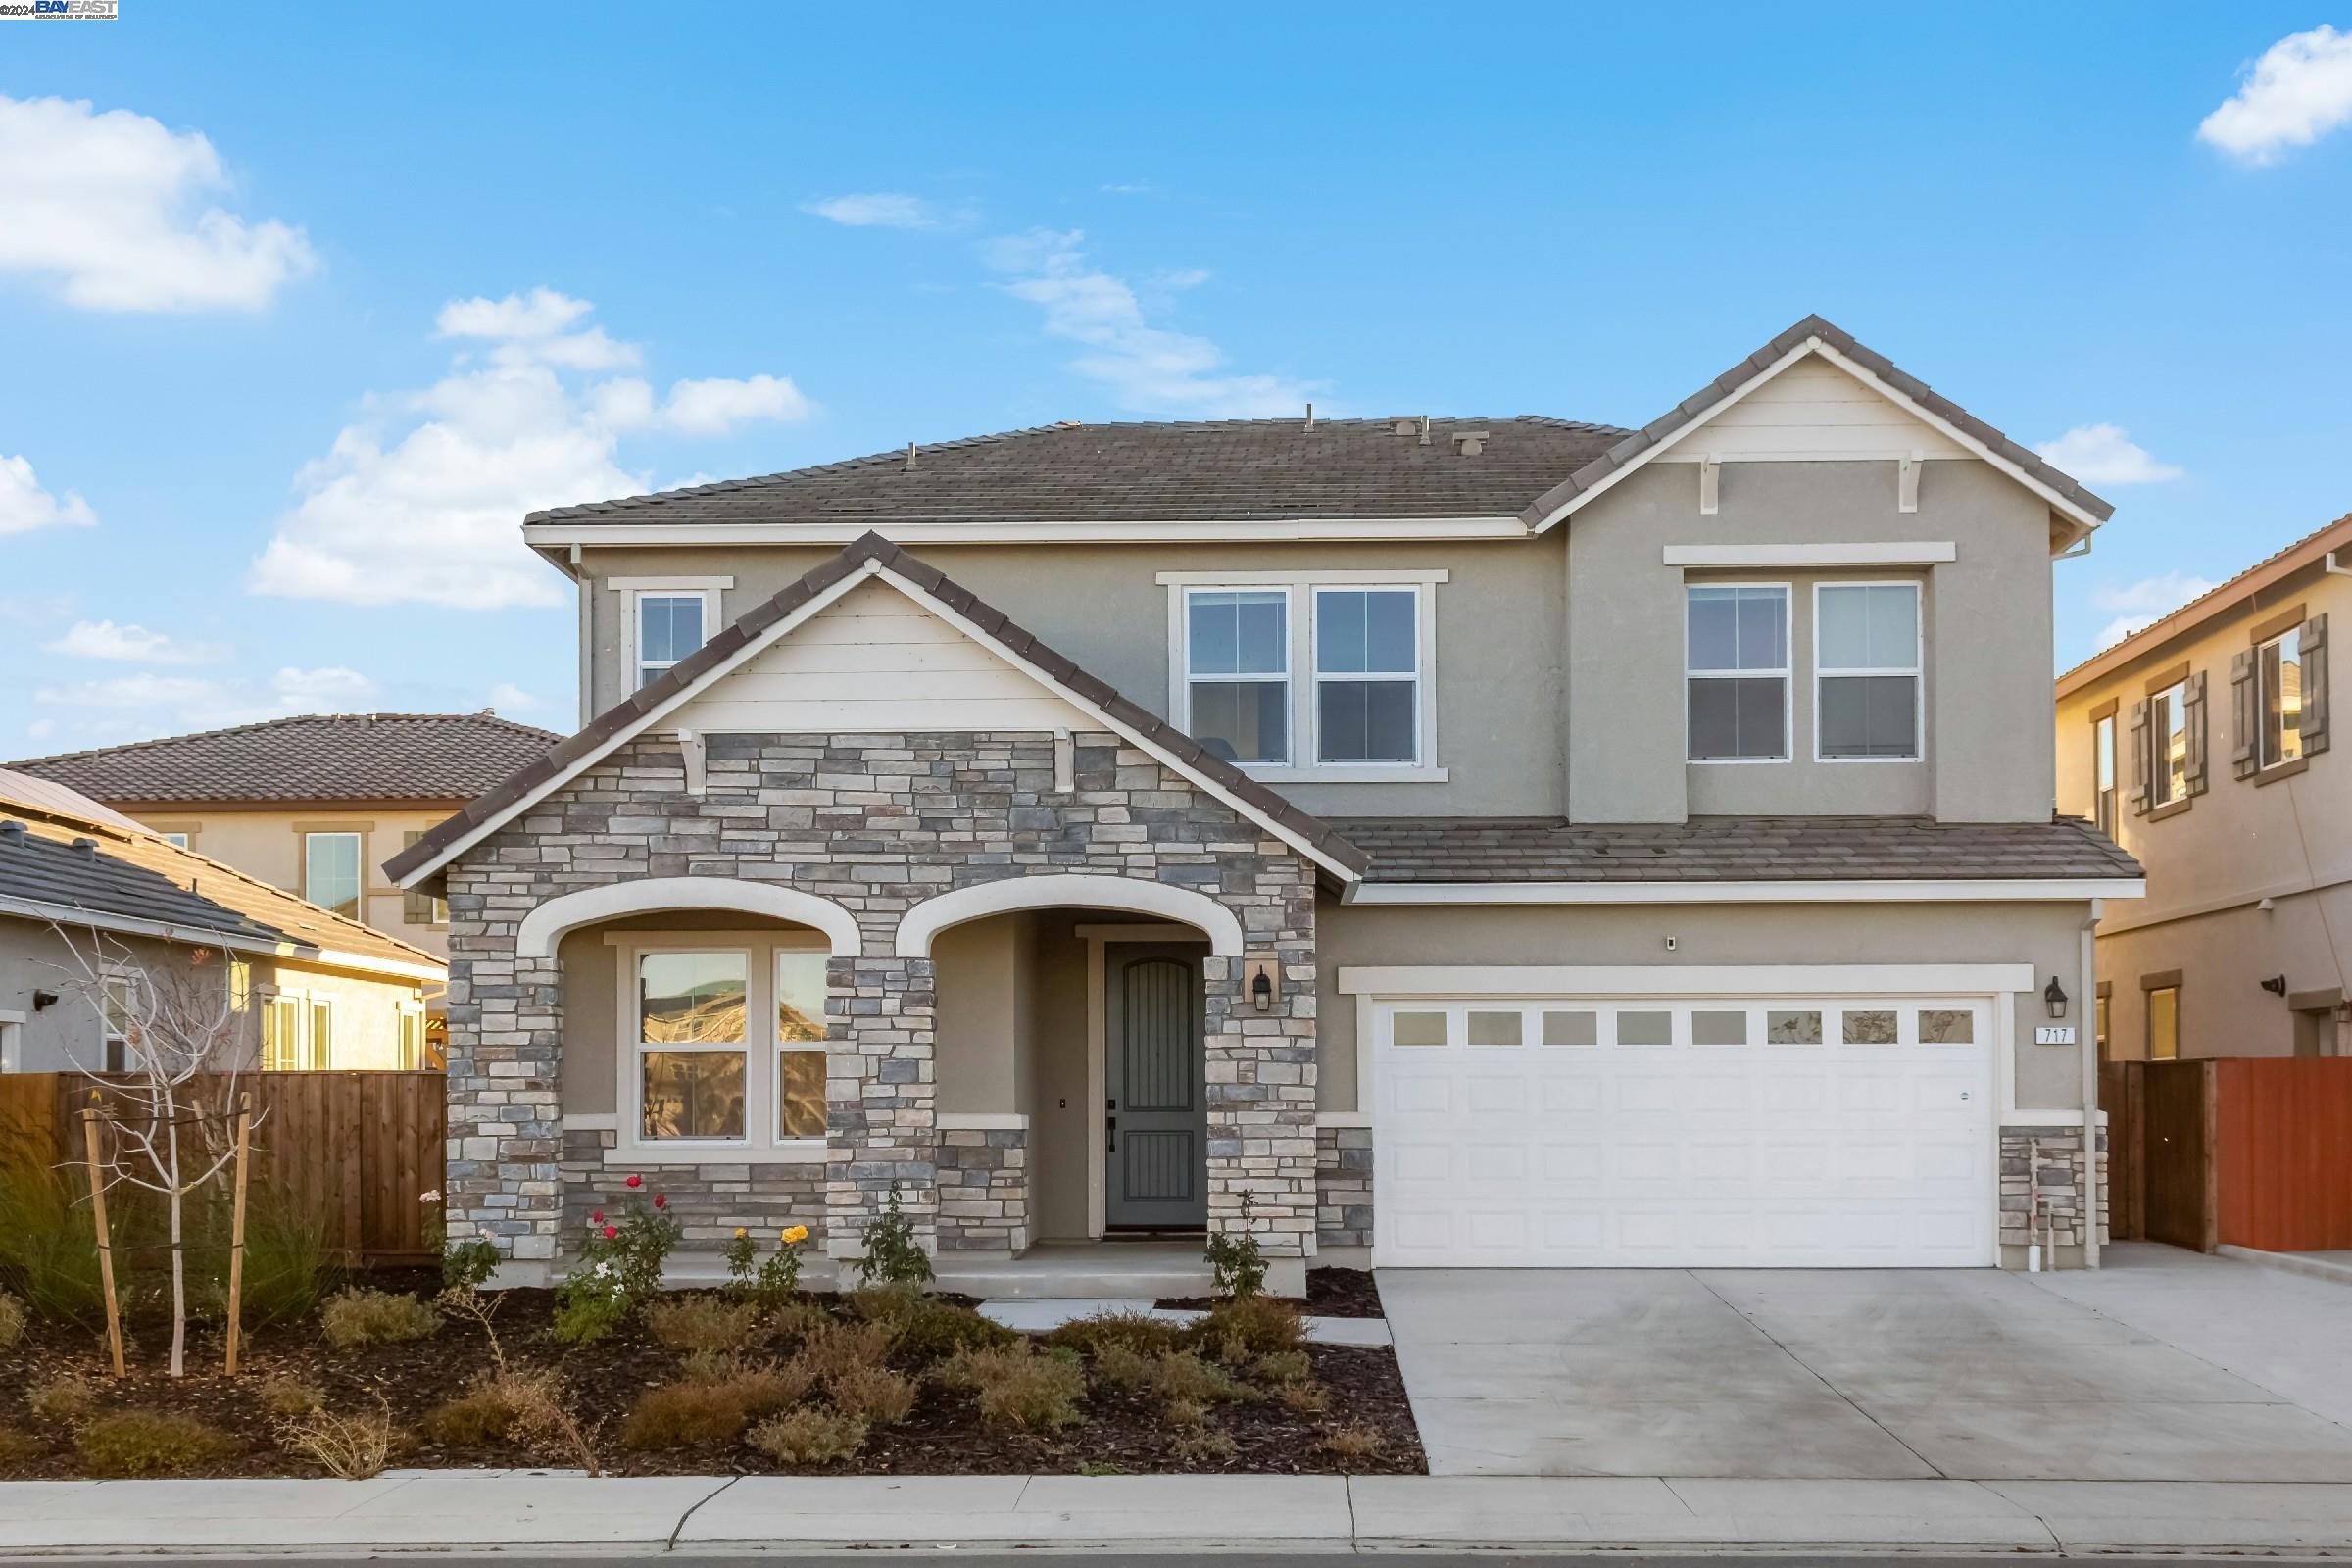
column 2050, row 1159
column 877, row 824
column 983, row 1190
column 1343, row 1185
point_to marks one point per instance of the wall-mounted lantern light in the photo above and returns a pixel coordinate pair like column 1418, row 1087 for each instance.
column 2053, row 996
column 2275, row 985
column 1262, row 977
column 43, row 1001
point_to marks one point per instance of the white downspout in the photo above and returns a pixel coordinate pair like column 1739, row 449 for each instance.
column 2093, row 1209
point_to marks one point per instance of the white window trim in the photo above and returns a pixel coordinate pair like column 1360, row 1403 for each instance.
column 2262, row 727
column 405, row 1009
column 632, row 588
column 1300, row 590
column 12, row 1041
column 359, row 860
column 312, row 1003
column 2105, row 814
column 1916, row 671
column 1786, row 673
column 2173, row 701
column 760, row 1145
column 270, row 999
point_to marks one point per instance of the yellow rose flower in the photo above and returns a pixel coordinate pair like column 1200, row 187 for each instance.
column 741, row 1232
column 797, row 1232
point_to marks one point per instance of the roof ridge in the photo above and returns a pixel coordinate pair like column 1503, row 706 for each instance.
column 281, row 722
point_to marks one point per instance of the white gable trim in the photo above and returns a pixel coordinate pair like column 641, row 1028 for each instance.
column 867, row 571
column 2084, row 520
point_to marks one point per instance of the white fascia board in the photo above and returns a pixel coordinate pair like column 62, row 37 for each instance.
column 1687, row 980
column 1207, row 530
column 1953, row 891
column 337, row 958
column 1911, row 553
column 194, row 935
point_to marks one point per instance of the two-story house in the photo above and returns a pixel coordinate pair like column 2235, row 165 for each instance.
column 1474, row 841
column 2202, row 743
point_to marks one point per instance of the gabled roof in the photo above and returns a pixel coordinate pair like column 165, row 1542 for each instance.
column 2316, row 546
column 78, row 865
column 1230, row 470
column 1815, row 335
column 312, row 757
column 872, row 556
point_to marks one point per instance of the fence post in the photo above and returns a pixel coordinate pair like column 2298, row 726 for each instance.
column 236, row 1231
column 105, row 1248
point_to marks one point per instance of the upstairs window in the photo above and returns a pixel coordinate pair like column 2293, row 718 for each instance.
column 330, row 871
column 2278, row 667
column 1367, row 675
column 669, row 627
column 1867, row 660
column 2168, row 745
column 1736, row 668
column 2102, row 771
column 1238, row 672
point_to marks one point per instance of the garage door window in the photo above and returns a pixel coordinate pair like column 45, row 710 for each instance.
column 1418, row 1029
column 1571, row 1028
column 1793, row 1028
column 1496, row 1028
column 1870, row 1027
column 1645, row 1028
column 1718, row 1028
column 1947, row 1026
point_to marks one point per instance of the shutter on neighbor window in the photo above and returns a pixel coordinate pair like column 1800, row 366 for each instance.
column 2139, row 757
column 415, row 904
column 2313, row 649
column 2195, row 707
column 2246, row 713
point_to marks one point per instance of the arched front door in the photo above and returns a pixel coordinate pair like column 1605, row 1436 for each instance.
column 1156, row 1175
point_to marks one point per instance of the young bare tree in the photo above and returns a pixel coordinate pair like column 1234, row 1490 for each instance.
column 187, row 1033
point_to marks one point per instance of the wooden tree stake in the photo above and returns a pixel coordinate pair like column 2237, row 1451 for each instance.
column 106, row 1249
column 236, row 1230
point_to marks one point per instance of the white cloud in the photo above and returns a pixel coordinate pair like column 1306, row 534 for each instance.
column 2103, row 454
column 2298, row 91
column 25, row 506
column 1146, row 368
column 131, row 644
column 131, row 691
column 875, row 209
column 508, row 697
column 163, row 703
column 108, row 204
column 40, row 729
column 2144, row 603
column 421, row 500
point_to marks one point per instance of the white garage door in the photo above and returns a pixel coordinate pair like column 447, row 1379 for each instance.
column 1548, row 1132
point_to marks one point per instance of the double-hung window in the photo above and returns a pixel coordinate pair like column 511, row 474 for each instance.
column 2279, row 728
column 1237, row 648
column 330, row 871
column 119, row 1049
column 2168, row 745
column 669, row 626
column 1737, row 672
column 1867, row 661
column 729, row 1045
column 412, row 1037
column 2102, row 771
column 281, row 1034
column 1367, row 675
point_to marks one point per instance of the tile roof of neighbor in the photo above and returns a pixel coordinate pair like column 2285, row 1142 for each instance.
column 600, row 733
column 133, row 874
column 1731, row 849
column 1245, row 471
column 1235, row 470
column 312, row 757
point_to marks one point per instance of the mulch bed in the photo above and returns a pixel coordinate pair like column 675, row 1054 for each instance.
column 943, row 1436
column 1330, row 1293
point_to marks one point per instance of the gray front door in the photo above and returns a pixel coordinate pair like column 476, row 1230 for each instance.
column 1153, row 1072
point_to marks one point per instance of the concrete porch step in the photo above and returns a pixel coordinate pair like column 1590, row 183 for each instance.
column 1076, row 1269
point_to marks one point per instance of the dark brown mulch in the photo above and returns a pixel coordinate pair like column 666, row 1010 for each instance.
column 943, row 1436
column 1330, row 1293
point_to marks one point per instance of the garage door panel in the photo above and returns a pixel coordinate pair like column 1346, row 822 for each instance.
column 1762, row 1144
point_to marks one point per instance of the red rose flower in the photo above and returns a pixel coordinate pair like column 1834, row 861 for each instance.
column 597, row 1217
column 636, row 1181
column 661, row 1200
column 611, row 1231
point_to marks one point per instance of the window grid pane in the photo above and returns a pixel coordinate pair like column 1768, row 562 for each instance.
column 2282, row 677
column 799, row 1094
column 1365, row 722
column 1497, row 1028
column 331, row 876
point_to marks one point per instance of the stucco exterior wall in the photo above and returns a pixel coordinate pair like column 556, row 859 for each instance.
column 1987, row 693
column 2047, row 935
column 2287, row 838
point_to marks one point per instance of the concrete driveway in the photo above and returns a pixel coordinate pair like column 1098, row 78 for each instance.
column 2164, row 1366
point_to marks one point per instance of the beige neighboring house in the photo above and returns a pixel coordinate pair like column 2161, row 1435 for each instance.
column 319, row 991
column 312, row 804
column 1450, row 842
column 2204, row 746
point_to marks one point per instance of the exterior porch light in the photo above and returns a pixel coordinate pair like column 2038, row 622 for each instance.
column 2054, row 998
column 1261, row 990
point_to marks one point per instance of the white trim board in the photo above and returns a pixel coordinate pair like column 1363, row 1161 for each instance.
column 73, row 915
column 966, row 1121
column 543, row 927
column 1212, row 530
column 1958, row 890
column 1389, row 981
column 1209, row 919
column 1914, row 552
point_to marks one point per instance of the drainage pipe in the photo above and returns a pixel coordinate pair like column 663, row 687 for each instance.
column 2093, row 1209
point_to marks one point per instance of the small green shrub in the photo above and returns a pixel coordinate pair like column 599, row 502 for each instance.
column 874, row 1395
column 478, row 1417
column 1282, row 1367
column 286, row 1397
column 926, row 1327
column 1123, row 1368
column 19, row 1449
column 466, row 1265
column 48, row 1250
column 1181, row 1377
column 1239, row 1267
column 1014, row 1386
column 360, row 1316
column 796, row 1320
column 892, row 1254
column 840, row 1347
column 809, row 1436
column 148, row 1442
column 618, row 1270
column 1247, row 1327
column 704, row 1323
column 12, row 1320
column 772, row 1281
column 67, row 1396
column 1139, row 1332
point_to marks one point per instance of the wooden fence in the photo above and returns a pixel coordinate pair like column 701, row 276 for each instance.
column 2253, row 1152
column 355, row 1150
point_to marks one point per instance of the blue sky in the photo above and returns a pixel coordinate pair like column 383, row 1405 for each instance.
column 303, row 305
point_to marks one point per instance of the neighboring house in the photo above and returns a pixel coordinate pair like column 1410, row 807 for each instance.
column 318, row 990
column 312, row 804
column 2203, row 744
column 1480, row 841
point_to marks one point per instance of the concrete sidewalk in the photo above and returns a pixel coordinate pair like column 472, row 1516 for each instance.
column 492, row 1509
